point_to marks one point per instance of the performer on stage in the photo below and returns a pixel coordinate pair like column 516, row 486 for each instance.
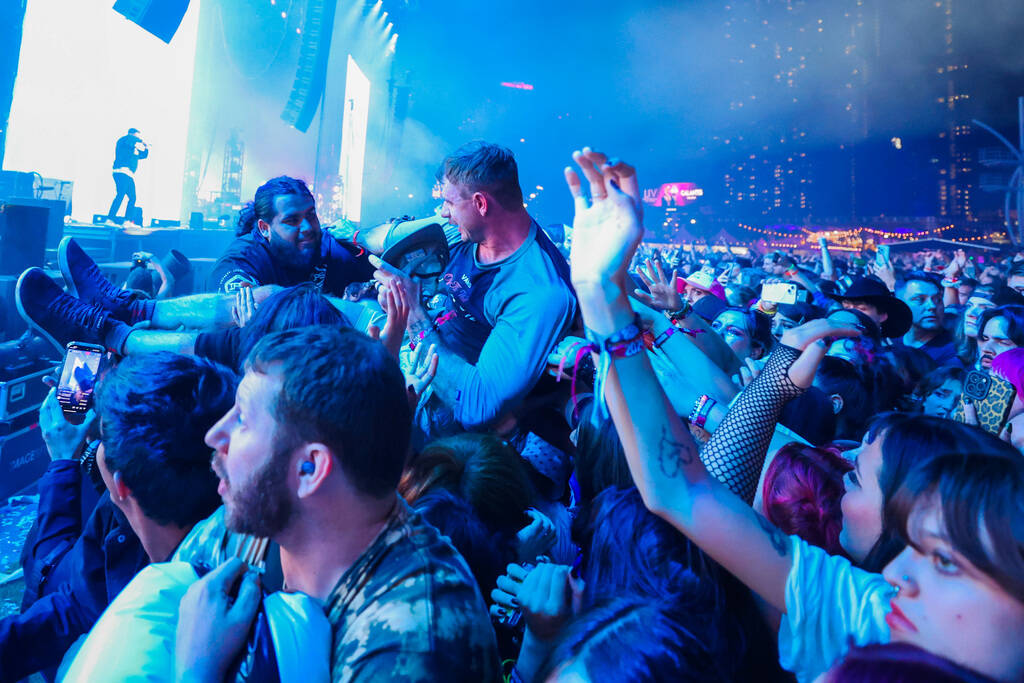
column 127, row 152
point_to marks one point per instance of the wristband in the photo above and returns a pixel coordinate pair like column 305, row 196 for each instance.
column 358, row 246
column 434, row 325
column 791, row 273
column 626, row 342
column 950, row 282
column 701, row 410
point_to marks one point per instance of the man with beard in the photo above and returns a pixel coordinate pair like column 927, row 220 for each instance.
column 280, row 243
column 310, row 456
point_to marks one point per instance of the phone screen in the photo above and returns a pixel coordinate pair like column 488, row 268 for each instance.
column 78, row 380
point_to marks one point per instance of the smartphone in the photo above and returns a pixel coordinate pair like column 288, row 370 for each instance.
column 78, row 379
column 992, row 397
column 882, row 256
column 779, row 292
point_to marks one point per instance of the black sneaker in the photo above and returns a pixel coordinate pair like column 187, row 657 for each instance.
column 60, row 318
column 86, row 281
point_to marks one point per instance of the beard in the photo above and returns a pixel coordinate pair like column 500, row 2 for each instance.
column 289, row 255
column 262, row 507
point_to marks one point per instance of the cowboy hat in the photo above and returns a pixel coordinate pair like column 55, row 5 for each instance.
column 873, row 291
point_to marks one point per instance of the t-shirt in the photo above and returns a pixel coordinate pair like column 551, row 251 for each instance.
column 410, row 610
column 830, row 606
column 249, row 261
column 941, row 348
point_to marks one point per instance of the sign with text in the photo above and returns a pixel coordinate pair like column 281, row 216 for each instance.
column 673, row 194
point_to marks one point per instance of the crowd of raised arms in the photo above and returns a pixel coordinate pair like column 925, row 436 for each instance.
column 469, row 448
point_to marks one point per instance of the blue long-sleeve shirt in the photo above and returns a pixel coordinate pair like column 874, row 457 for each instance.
column 100, row 562
column 509, row 316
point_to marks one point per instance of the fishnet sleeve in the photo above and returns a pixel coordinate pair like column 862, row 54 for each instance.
column 737, row 449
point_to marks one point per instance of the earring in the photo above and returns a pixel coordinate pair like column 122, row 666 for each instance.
column 307, row 468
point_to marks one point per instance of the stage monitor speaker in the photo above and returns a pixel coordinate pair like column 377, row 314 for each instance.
column 55, row 223
column 164, row 223
column 23, row 456
column 22, row 236
column 17, row 184
column 159, row 17
column 195, row 220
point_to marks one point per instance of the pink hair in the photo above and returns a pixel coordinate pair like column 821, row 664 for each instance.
column 802, row 490
column 1010, row 366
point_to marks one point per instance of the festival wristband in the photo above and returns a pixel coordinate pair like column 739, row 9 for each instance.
column 434, row 325
column 628, row 341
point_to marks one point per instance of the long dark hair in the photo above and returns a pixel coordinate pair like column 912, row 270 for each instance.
column 910, row 442
column 262, row 205
column 1014, row 316
column 981, row 497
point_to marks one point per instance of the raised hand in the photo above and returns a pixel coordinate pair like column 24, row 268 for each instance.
column 749, row 371
column 812, row 339
column 388, row 276
column 537, row 537
column 608, row 227
column 663, row 296
column 394, row 299
column 423, row 367
column 244, row 307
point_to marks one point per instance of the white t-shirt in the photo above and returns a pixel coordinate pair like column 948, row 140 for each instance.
column 830, row 606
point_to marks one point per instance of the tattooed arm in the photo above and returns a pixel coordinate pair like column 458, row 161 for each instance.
column 661, row 454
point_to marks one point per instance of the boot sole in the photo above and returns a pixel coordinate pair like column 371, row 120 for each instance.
column 32, row 324
column 65, row 268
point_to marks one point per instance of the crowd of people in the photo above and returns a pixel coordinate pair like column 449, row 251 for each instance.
column 461, row 448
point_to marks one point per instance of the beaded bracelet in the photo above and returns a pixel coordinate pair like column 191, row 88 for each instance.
column 680, row 313
column 701, row 410
column 434, row 325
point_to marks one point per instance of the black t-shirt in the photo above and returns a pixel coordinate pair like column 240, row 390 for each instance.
column 249, row 261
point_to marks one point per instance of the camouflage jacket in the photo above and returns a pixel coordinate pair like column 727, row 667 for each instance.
column 409, row 610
